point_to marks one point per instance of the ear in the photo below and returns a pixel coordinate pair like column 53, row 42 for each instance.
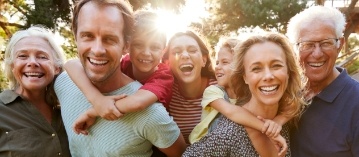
column 204, row 59
column 57, row 70
column 245, row 79
column 340, row 43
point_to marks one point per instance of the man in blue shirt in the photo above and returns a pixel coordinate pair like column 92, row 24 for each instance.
column 329, row 126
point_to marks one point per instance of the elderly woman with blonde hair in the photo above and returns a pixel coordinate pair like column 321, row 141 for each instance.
column 30, row 119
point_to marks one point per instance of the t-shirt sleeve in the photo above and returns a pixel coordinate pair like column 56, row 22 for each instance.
column 160, row 129
column 160, row 83
column 210, row 94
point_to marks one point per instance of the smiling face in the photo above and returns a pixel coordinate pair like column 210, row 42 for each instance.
column 33, row 66
column 146, row 52
column 185, row 59
column 319, row 64
column 100, row 41
column 223, row 68
column 266, row 72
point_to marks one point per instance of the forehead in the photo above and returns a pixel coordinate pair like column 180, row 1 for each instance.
column 153, row 37
column 95, row 17
column 264, row 52
column 33, row 43
column 316, row 30
column 224, row 52
column 183, row 41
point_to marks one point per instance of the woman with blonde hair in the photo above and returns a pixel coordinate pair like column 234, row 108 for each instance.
column 267, row 82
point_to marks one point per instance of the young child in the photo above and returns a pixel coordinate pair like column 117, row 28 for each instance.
column 142, row 64
column 220, row 99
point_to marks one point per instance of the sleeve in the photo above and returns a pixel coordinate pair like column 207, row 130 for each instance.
column 210, row 94
column 160, row 83
column 160, row 129
column 355, row 143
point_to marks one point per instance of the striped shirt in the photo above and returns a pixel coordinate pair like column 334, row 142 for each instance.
column 132, row 135
column 186, row 112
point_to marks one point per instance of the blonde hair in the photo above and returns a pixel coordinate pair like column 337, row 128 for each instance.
column 292, row 100
column 57, row 53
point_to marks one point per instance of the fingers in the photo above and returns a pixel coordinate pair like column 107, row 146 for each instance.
column 283, row 150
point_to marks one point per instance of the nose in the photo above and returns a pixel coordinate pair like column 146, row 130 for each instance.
column 147, row 51
column 32, row 62
column 268, row 75
column 317, row 52
column 184, row 54
column 98, row 49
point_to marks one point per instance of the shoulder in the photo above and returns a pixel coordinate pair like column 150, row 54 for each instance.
column 8, row 96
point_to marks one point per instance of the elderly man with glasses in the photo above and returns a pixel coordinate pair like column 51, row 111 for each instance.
column 329, row 126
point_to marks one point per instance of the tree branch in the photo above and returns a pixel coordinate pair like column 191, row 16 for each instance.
column 18, row 8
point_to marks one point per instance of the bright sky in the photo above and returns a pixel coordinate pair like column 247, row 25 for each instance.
column 193, row 11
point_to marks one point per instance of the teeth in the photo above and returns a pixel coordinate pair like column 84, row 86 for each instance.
column 186, row 66
column 268, row 89
column 97, row 62
column 316, row 64
column 145, row 61
column 33, row 74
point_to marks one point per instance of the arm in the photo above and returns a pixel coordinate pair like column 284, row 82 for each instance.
column 176, row 149
column 158, row 87
column 84, row 121
column 103, row 105
column 136, row 102
column 237, row 114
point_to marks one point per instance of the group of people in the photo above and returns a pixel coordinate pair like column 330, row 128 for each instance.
column 132, row 93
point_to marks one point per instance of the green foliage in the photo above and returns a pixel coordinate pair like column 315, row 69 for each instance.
column 228, row 16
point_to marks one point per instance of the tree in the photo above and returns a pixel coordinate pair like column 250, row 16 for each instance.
column 229, row 16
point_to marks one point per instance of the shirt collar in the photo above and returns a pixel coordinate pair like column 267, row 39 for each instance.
column 330, row 92
column 8, row 96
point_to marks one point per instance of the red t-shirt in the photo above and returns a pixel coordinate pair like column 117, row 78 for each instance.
column 160, row 82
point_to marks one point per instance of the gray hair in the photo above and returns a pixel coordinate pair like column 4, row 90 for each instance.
column 316, row 13
column 34, row 31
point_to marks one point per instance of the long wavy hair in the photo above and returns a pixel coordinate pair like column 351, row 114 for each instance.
column 292, row 100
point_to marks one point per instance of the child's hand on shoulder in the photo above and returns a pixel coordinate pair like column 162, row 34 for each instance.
column 270, row 127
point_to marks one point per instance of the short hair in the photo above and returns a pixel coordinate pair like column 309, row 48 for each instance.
column 292, row 100
column 146, row 23
column 324, row 14
column 207, row 70
column 57, row 53
column 123, row 5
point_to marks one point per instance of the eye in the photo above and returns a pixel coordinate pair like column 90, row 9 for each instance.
column 155, row 48
column 86, row 36
column 43, row 57
column 192, row 50
column 21, row 56
column 277, row 66
column 256, row 69
column 136, row 45
column 217, row 62
column 326, row 44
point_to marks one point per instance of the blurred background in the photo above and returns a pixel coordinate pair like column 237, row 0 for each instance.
column 212, row 18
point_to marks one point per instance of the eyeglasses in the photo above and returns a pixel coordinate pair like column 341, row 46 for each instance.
column 325, row 45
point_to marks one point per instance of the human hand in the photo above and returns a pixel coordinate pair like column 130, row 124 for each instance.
column 84, row 122
column 270, row 127
column 280, row 144
column 105, row 107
